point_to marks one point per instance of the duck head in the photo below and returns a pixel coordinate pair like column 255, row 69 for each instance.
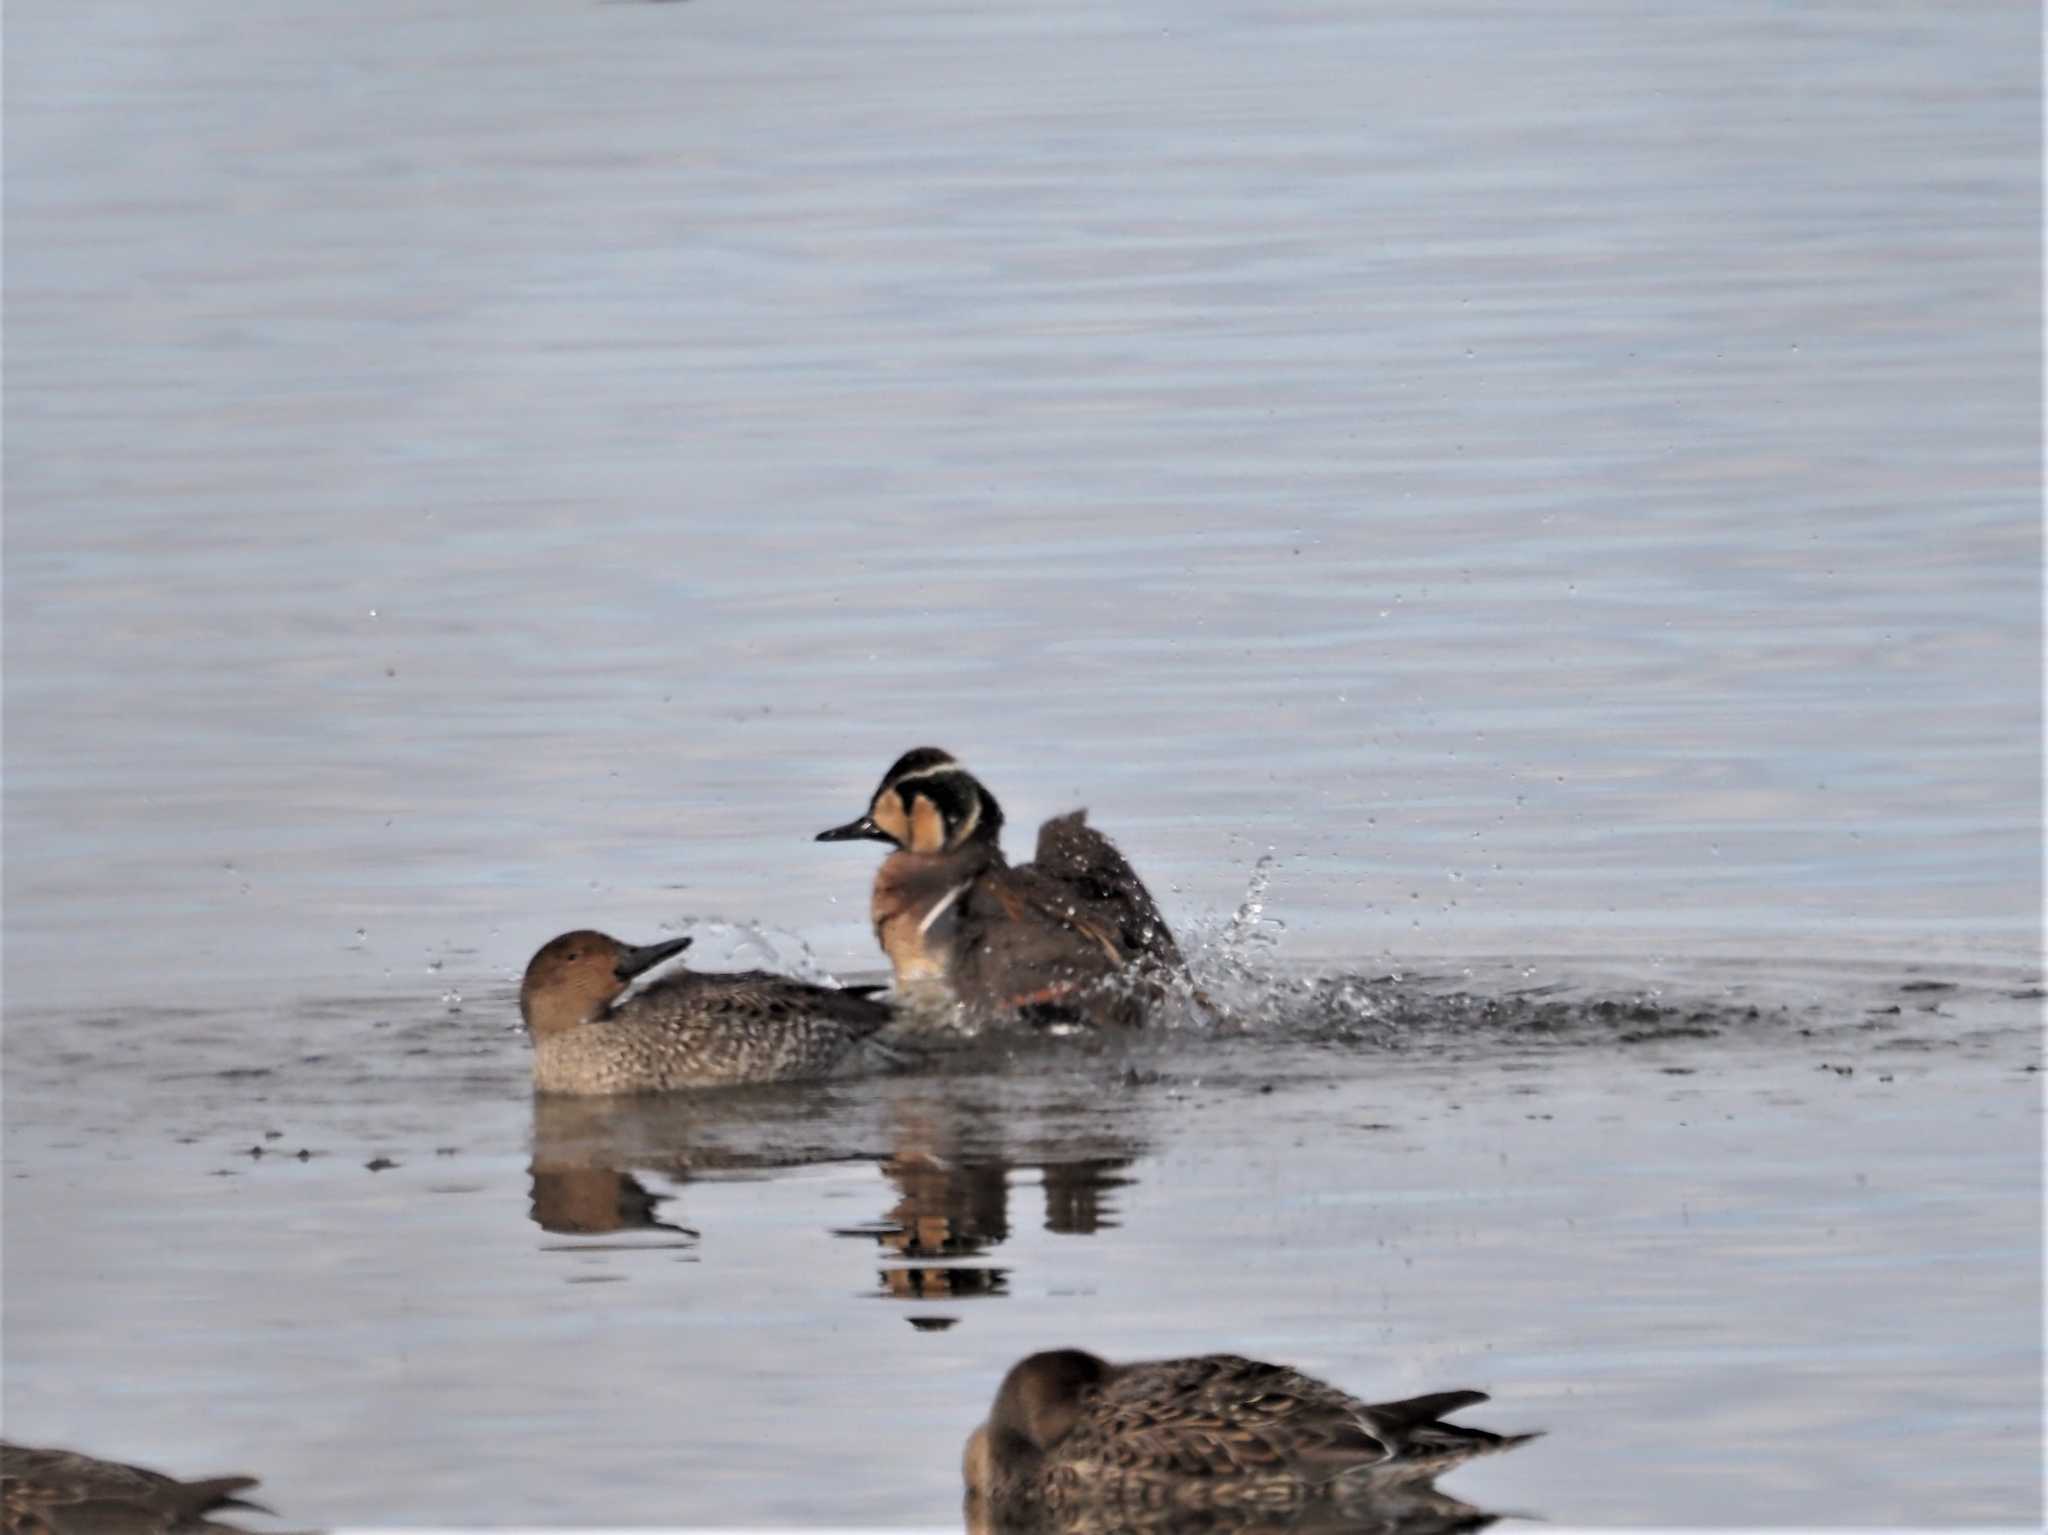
column 926, row 803
column 1036, row 1407
column 1040, row 1398
column 575, row 977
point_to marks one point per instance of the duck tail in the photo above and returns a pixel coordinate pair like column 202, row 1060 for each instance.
column 1425, row 1445
column 202, row 1497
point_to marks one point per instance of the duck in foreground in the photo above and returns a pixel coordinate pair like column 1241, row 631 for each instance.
column 1071, row 1435
column 60, row 1492
column 1060, row 938
column 687, row 1029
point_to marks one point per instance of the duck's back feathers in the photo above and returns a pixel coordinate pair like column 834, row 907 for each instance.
column 716, row 1030
column 59, row 1492
column 1224, row 1416
column 760, row 995
column 1223, row 1419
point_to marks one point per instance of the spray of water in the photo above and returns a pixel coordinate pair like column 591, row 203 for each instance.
column 724, row 944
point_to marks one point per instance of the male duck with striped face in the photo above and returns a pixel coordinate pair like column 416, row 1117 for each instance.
column 1073, row 936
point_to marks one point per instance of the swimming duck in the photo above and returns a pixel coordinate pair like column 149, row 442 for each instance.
column 686, row 1029
column 60, row 1492
column 1033, row 940
column 1070, row 1431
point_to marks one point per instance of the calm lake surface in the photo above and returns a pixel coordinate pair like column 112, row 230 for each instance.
column 1540, row 502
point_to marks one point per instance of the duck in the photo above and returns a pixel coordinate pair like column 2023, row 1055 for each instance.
column 61, row 1492
column 1071, row 1433
column 1034, row 942
column 689, row 1028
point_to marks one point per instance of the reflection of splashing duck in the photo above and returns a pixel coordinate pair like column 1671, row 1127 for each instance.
column 954, row 1200
column 1035, row 941
column 1073, row 1194
column 952, row 1207
column 948, row 1212
column 60, row 1492
column 687, row 1029
column 1071, row 1432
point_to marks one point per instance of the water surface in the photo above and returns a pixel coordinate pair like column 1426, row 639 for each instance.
column 1733, row 1257
column 1560, row 478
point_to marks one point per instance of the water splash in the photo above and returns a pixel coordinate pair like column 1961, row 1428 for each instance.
column 1249, row 922
column 1238, row 982
column 722, row 943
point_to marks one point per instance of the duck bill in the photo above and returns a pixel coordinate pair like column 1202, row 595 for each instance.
column 634, row 961
column 862, row 830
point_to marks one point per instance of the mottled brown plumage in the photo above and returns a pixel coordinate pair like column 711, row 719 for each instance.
column 687, row 1029
column 1072, row 935
column 1071, row 1431
column 61, row 1492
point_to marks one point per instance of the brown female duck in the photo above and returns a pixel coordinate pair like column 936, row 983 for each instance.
column 687, row 1029
column 1070, row 1431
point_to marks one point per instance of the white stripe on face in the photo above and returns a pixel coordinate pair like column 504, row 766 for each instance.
column 930, row 770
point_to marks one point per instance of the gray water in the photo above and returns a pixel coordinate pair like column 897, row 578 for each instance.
column 1516, row 496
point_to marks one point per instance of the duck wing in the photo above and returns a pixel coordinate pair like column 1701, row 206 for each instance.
column 1025, row 941
column 1222, row 1416
column 1077, row 856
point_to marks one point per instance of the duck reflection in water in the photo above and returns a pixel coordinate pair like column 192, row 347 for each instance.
column 951, row 1155
column 591, row 1201
column 954, row 1188
column 587, row 1152
column 1216, row 1442
column 581, row 1186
